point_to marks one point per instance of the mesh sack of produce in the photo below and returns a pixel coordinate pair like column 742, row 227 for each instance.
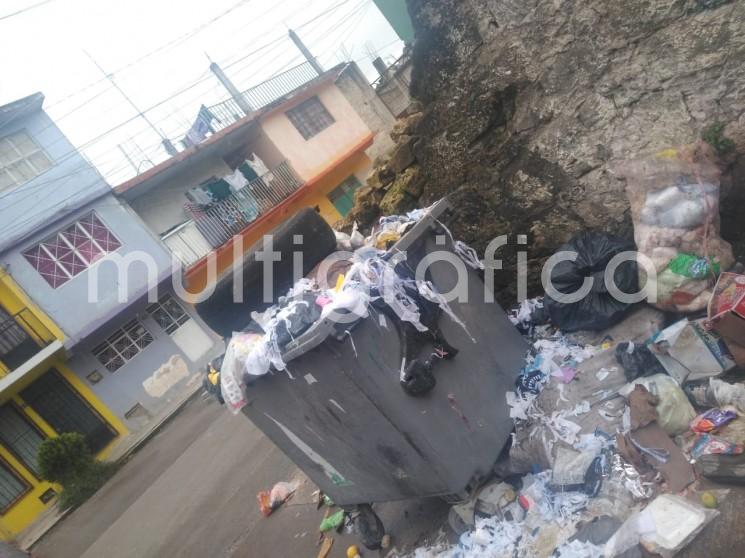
column 674, row 198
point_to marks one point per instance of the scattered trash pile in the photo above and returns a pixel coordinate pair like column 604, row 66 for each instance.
column 271, row 500
column 612, row 439
column 601, row 460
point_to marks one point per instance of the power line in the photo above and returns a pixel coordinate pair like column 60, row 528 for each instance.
column 331, row 9
column 178, row 40
column 24, row 10
column 359, row 10
column 179, row 92
column 283, row 36
column 296, row 56
column 110, row 77
column 225, row 63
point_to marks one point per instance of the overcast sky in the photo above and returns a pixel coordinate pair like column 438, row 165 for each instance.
column 157, row 48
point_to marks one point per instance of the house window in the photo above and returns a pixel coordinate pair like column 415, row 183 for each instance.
column 310, row 117
column 16, row 347
column 343, row 195
column 123, row 345
column 169, row 314
column 21, row 159
column 20, row 437
column 12, row 487
column 69, row 252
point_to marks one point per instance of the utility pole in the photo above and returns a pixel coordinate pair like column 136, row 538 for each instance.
column 127, row 157
column 232, row 89
column 170, row 149
column 308, row 56
column 380, row 67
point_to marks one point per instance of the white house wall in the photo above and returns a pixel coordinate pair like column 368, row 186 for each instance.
column 70, row 183
column 161, row 375
column 162, row 208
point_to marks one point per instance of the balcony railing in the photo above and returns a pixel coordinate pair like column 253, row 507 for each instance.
column 187, row 243
column 263, row 94
column 21, row 336
column 223, row 219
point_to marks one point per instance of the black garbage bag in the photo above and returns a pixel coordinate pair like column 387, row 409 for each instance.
column 637, row 361
column 418, row 379
column 599, row 309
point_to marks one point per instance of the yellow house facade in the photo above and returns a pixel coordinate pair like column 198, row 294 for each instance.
column 40, row 398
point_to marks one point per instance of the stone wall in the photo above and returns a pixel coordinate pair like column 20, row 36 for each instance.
column 530, row 105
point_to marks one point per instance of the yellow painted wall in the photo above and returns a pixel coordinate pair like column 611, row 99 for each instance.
column 358, row 166
column 25, row 510
column 13, row 299
column 21, row 514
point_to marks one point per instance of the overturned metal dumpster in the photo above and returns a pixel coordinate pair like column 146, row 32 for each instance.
column 340, row 412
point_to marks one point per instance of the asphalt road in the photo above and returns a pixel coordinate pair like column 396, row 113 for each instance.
column 191, row 492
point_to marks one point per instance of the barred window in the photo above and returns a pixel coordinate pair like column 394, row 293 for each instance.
column 69, row 252
column 20, row 436
column 12, row 487
column 310, row 117
column 21, row 159
column 123, row 345
column 169, row 314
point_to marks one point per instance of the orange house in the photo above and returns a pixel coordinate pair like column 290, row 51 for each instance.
column 313, row 145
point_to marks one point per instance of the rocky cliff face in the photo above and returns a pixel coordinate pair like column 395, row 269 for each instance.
column 529, row 105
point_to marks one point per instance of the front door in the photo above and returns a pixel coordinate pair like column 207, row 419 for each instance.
column 66, row 411
column 343, row 195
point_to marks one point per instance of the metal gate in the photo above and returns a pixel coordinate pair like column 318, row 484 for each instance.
column 66, row 411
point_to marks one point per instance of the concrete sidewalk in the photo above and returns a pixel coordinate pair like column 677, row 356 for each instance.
column 191, row 492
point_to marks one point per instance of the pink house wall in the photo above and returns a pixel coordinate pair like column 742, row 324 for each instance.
column 310, row 157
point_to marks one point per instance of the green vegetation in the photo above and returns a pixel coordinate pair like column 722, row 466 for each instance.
column 66, row 460
column 714, row 136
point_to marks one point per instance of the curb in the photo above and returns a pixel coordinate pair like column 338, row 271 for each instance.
column 122, row 459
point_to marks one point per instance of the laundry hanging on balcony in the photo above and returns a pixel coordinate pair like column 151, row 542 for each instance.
column 223, row 207
column 236, row 180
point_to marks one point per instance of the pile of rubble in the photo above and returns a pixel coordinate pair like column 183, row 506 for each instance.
column 396, row 181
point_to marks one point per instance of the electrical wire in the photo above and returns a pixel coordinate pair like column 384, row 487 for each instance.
column 359, row 11
column 333, row 27
column 170, row 44
column 24, row 10
column 92, row 141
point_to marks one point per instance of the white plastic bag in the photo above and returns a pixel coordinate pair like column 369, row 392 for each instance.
column 664, row 527
column 241, row 350
column 281, row 492
column 728, row 394
column 674, row 410
column 343, row 241
column 356, row 238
